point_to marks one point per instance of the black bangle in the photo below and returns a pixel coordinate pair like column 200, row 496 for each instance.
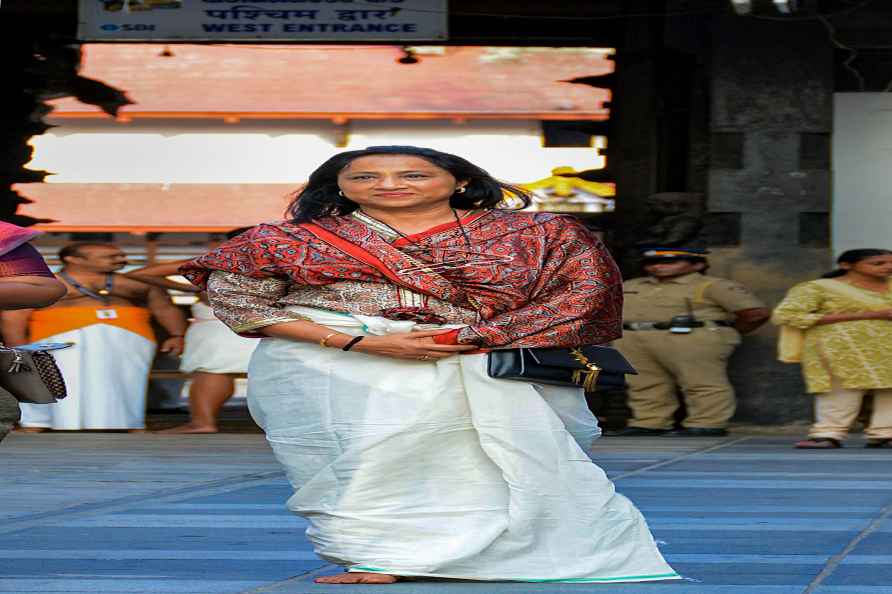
column 352, row 342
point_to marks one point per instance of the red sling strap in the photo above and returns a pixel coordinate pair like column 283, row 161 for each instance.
column 439, row 286
column 352, row 250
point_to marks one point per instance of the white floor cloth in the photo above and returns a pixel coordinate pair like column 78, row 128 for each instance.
column 435, row 469
column 106, row 373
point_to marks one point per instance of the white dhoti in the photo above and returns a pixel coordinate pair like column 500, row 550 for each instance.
column 436, row 469
column 106, row 373
column 212, row 347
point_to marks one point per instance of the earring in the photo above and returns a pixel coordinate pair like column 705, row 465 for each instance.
column 341, row 193
column 461, row 190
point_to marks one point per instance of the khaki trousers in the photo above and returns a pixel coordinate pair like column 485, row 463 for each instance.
column 694, row 362
column 835, row 411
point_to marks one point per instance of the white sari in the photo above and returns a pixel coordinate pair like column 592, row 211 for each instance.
column 435, row 469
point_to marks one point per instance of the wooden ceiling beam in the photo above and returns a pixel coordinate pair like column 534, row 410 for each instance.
column 338, row 119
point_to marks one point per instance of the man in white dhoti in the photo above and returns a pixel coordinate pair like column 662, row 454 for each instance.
column 376, row 303
column 107, row 317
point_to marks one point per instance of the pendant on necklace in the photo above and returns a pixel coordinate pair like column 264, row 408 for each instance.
column 104, row 292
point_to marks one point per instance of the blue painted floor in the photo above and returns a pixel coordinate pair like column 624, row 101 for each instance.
column 117, row 513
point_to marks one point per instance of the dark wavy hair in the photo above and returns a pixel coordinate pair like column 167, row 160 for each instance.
column 320, row 198
column 853, row 257
column 236, row 232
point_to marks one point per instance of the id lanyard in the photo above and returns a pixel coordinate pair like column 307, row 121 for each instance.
column 103, row 295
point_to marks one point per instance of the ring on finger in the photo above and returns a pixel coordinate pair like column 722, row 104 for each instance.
column 425, row 357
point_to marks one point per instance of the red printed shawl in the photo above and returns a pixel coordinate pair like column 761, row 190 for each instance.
column 536, row 279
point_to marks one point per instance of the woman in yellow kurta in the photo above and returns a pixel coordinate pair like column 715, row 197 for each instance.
column 840, row 329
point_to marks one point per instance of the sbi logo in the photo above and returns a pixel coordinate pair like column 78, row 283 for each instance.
column 127, row 27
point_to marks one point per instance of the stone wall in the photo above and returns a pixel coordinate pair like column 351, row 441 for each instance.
column 771, row 88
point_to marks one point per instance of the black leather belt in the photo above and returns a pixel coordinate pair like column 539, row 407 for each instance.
column 634, row 326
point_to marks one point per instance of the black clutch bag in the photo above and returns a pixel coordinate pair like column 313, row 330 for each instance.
column 587, row 367
column 31, row 376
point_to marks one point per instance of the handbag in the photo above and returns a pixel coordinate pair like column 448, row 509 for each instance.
column 31, row 376
column 587, row 367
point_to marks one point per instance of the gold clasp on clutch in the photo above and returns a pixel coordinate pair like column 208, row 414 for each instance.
column 18, row 362
column 586, row 378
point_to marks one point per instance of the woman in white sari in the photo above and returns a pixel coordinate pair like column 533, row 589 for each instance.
column 376, row 303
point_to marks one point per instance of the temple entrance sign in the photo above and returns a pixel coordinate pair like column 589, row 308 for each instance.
column 262, row 20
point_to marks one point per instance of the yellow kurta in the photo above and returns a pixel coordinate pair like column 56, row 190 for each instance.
column 855, row 353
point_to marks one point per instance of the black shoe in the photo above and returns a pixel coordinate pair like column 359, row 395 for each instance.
column 878, row 443
column 634, row 432
column 697, row 432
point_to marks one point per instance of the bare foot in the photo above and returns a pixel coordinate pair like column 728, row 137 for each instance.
column 31, row 429
column 188, row 428
column 358, row 577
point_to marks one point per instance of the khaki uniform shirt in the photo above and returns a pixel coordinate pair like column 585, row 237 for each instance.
column 712, row 298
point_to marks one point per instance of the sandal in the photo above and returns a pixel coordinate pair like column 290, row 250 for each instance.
column 820, row 443
column 879, row 443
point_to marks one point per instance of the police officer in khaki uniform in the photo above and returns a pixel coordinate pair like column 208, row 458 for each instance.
column 680, row 327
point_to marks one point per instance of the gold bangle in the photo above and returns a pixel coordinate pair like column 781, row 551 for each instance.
column 324, row 341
